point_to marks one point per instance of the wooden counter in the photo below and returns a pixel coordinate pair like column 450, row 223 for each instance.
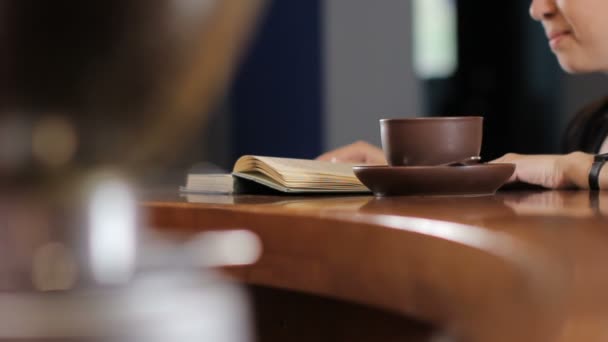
column 517, row 266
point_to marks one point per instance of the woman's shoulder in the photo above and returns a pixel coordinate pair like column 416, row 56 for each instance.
column 588, row 129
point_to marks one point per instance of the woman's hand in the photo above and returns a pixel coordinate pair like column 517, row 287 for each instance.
column 359, row 152
column 567, row 171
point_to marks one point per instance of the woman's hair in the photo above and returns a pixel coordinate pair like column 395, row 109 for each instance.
column 588, row 129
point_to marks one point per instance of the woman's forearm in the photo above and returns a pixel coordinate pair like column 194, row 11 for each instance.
column 565, row 171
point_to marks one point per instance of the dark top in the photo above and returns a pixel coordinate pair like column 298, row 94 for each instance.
column 588, row 129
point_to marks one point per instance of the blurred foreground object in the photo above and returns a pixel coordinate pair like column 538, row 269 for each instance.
column 93, row 94
column 86, row 271
column 110, row 82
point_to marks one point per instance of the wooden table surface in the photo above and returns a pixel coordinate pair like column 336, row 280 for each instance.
column 517, row 266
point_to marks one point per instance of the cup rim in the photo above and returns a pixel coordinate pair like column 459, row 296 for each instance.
column 433, row 118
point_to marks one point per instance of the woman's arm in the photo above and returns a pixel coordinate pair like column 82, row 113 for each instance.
column 566, row 171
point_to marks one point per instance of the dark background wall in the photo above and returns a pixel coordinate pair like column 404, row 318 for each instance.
column 276, row 98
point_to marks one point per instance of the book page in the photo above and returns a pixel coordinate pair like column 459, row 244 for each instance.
column 309, row 166
column 300, row 187
column 301, row 173
column 289, row 165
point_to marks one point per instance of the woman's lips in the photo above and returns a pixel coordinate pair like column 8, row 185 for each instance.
column 556, row 37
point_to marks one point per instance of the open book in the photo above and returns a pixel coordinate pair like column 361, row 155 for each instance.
column 257, row 174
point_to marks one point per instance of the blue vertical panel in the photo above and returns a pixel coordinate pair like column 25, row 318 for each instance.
column 276, row 97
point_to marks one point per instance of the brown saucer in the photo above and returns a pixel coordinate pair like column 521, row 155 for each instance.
column 481, row 179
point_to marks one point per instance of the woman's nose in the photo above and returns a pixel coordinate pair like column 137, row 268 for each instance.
column 542, row 9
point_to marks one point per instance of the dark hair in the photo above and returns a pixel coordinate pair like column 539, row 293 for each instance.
column 588, row 129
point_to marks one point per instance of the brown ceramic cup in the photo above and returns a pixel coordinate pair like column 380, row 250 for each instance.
column 430, row 140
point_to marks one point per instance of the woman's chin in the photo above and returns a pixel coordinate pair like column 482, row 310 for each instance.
column 572, row 66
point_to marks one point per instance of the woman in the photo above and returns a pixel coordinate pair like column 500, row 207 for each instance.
column 576, row 30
